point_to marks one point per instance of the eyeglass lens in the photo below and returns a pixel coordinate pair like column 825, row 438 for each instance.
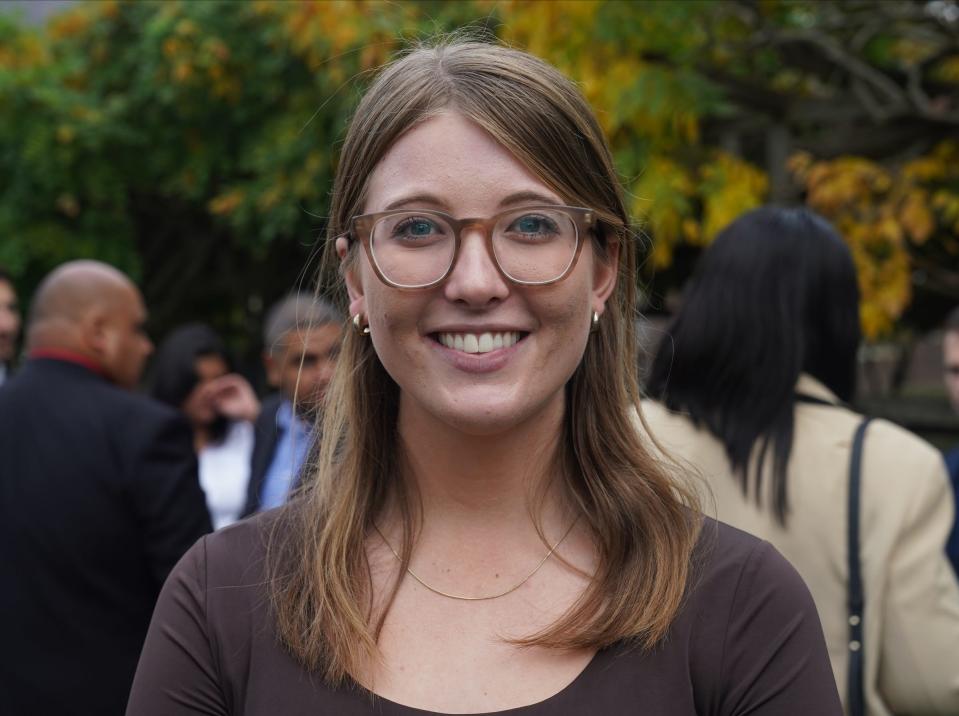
column 530, row 246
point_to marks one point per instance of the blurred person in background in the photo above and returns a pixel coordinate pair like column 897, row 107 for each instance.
column 193, row 372
column 950, row 368
column 9, row 324
column 99, row 498
column 301, row 340
column 754, row 375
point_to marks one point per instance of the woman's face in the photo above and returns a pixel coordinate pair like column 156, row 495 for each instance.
column 450, row 164
column 199, row 406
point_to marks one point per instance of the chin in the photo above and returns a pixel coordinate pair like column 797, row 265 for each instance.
column 479, row 417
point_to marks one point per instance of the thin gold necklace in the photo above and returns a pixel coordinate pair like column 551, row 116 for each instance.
column 478, row 599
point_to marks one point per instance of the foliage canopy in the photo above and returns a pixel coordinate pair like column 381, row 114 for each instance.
column 193, row 144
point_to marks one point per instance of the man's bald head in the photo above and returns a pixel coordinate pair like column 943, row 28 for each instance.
column 91, row 309
column 72, row 289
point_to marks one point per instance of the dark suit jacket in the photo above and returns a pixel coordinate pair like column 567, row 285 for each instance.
column 99, row 498
column 265, row 437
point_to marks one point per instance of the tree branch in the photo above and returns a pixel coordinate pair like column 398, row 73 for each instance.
column 926, row 107
column 853, row 65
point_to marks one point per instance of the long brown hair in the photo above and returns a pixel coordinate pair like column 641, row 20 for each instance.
column 644, row 523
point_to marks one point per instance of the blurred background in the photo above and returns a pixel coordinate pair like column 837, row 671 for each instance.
column 192, row 144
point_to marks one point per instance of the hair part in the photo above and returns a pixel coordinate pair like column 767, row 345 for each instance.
column 644, row 522
column 774, row 296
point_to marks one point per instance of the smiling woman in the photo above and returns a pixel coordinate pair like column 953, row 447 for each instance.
column 484, row 529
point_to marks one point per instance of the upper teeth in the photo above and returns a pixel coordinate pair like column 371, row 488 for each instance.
column 479, row 343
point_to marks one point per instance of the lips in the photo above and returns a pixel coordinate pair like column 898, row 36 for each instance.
column 478, row 342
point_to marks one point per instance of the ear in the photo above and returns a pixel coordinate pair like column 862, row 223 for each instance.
column 605, row 271
column 354, row 287
column 94, row 334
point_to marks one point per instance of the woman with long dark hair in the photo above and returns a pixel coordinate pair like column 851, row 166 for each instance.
column 754, row 376
column 483, row 529
column 193, row 372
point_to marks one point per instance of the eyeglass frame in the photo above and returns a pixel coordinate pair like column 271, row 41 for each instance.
column 361, row 229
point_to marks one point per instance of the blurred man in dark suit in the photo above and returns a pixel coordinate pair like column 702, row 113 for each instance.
column 9, row 324
column 98, row 498
column 301, row 340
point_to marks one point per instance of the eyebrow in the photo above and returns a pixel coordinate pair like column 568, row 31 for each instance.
column 414, row 199
column 520, row 197
column 523, row 197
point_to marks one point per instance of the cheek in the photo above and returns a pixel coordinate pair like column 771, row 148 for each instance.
column 394, row 320
column 568, row 313
column 290, row 376
column 565, row 319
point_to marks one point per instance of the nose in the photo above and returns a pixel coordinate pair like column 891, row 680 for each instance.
column 475, row 279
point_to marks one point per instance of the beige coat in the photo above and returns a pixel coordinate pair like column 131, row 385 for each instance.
column 911, row 619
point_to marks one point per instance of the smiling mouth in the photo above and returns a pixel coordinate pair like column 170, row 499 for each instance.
column 479, row 342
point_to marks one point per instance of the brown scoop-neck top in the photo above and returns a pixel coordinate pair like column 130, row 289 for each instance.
column 747, row 641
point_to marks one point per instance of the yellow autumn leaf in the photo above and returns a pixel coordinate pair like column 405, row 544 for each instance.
column 661, row 255
column 799, row 164
column 927, row 168
column 69, row 24
column 916, row 216
column 729, row 187
column 874, row 321
column 225, row 203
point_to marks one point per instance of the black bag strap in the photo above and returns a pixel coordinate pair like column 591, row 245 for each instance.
column 855, row 705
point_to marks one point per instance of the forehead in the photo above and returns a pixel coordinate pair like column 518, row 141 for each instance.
column 317, row 339
column 124, row 306
column 457, row 162
column 210, row 365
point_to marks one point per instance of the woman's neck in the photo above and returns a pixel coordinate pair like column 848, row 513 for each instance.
column 486, row 480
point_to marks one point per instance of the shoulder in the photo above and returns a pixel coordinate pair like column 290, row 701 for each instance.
column 891, row 454
column 666, row 424
column 727, row 559
column 896, row 438
column 737, row 577
column 655, row 412
column 270, row 405
column 906, row 465
column 266, row 420
column 147, row 410
column 880, row 435
column 87, row 397
column 235, row 555
column 140, row 425
column 752, row 626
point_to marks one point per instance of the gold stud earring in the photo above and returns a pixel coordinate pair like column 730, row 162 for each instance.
column 358, row 325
